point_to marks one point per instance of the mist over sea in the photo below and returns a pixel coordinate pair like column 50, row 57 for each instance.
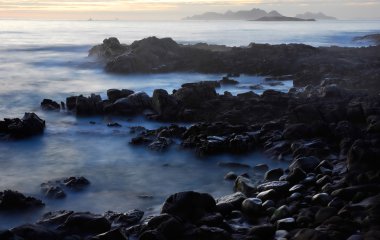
column 48, row 59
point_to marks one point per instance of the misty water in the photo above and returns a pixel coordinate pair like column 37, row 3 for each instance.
column 48, row 59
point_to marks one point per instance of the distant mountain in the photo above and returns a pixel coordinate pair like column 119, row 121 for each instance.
column 239, row 15
column 318, row 16
column 282, row 18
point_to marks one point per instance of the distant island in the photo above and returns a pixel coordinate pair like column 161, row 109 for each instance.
column 283, row 18
column 318, row 16
column 257, row 14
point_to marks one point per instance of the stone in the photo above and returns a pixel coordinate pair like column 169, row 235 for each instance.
column 311, row 234
column 30, row 125
column 34, row 232
column 126, row 219
column 189, row 205
column 115, row 94
column 297, row 131
column 325, row 213
column 115, row 234
column 306, row 164
column 280, row 213
column 297, row 188
column 235, row 199
column 265, row 231
column 278, row 186
column 54, row 218
column 267, row 195
column 76, row 183
column 296, row 176
column 50, row 105
column 274, row 174
column 86, row 223
column 252, row 206
column 321, row 199
column 244, row 185
column 286, row 224
column 13, row 200
column 260, row 168
column 231, row 176
column 164, row 104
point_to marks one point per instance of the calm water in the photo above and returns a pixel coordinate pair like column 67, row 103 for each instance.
column 49, row 60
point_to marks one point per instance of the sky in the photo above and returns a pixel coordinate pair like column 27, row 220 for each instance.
column 175, row 10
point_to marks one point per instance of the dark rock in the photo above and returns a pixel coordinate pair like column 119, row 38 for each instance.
column 233, row 165
column 278, row 186
column 115, row 94
column 261, row 168
column 252, row 206
column 189, row 205
column 231, row 176
column 268, row 204
column 306, row 164
column 34, row 232
column 274, row 174
column 160, row 144
column 124, row 219
column 86, row 223
column 164, row 104
column 52, row 191
column 265, row 231
column 132, row 104
column 54, row 218
column 244, row 185
column 228, row 81
column 286, row 224
column 234, row 199
column 115, row 234
column 297, row 131
column 362, row 156
column 29, row 125
column 321, row 199
column 325, row 213
column 193, row 95
column 76, row 183
column 296, row 176
column 281, row 213
column 113, row 124
column 268, row 195
column 12, row 200
column 50, row 105
column 297, row 188
column 311, row 234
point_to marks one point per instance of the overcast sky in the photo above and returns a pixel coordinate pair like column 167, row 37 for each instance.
column 175, row 10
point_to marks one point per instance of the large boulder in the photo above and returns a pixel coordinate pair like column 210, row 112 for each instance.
column 12, row 200
column 85, row 223
column 29, row 125
column 193, row 95
column 189, row 205
column 164, row 104
column 132, row 104
column 34, row 232
column 116, row 94
column 111, row 47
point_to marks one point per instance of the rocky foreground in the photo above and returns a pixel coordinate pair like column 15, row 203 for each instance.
column 355, row 68
column 329, row 135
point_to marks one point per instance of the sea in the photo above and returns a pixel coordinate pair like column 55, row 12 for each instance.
column 49, row 59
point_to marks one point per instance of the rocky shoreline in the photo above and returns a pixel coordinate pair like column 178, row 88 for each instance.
column 328, row 132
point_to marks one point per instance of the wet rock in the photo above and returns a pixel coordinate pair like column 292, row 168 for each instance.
column 34, row 232
column 296, row 176
column 234, row 199
column 160, row 144
column 115, row 234
column 52, row 191
column 233, row 165
column 231, row 176
column 12, row 200
column 164, row 104
column 124, row 219
column 85, row 223
column 132, row 104
column 297, row 131
column 244, row 185
column 363, row 156
column 115, row 94
column 189, row 205
column 228, row 81
column 252, row 206
column 260, row 168
column 113, row 125
column 274, row 174
column 280, row 213
column 76, row 183
column 163, row 226
column 268, row 204
column 325, row 213
column 268, row 195
column 54, row 218
column 265, row 231
column 278, row 186
column 310, row 234
column 286, row 224
column 193, row 95
column 50, row 105
column 30, row 125
column 297, row 188
column 321, row 199
column 306, row 164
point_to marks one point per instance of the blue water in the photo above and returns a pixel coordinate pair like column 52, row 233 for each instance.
column 48, row 59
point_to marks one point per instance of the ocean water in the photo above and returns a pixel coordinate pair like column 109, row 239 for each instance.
column 48, row 59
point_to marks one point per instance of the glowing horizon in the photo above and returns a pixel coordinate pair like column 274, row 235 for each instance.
column 173, row 9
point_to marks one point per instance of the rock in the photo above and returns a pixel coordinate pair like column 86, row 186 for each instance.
column 278, row 186
column 297, row 131
column 325, row 213
column 260, row 168
column 163, row 227
column 132, row 104
column 306, row 164
column 296, row 176
column 274, row 174
column 286, row 224
column 228, row 81
column 193, row 95
column 268, row 195
column 233, row 165
column 321, row 199
column 164, row 104
column 52, row 191
column 268, row 204
column 189, row 205
column 280, row 213
column 265, row 231
column 115, row 94
column 54, row 218
column 252, row 206
column 50, row 105
column 235, row 199
column 30, row 125
column 115, row 234
column 76, row 183
column 311, row 234
column 160, row 144
column 244, row 185
column 297, row 188
column 12, row 200
column 124, row 219
column 113, row 124
column 34, row 232
column 86, row 223
column 362, row 156
column 209, row 233
column 231, row 176
column 86, row 106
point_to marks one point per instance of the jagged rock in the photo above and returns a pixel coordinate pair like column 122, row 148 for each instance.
column 50, row 105
column 29, row 125
column 115, row 94
column 12, row 200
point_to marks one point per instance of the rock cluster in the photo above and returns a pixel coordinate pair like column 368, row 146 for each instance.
column 15, row 128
